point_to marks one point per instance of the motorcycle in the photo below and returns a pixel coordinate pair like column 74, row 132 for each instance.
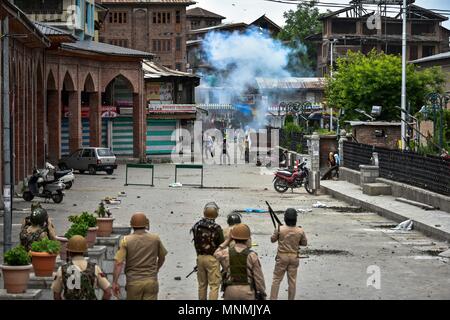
column 285, row 179
column 50, row 189
column 65, row 176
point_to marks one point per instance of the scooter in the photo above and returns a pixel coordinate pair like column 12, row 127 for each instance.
column 50, row 189
column 65, row 176
column 285, row 179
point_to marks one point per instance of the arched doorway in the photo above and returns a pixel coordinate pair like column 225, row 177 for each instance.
column 119, row 96
column 91, row 113
column 71, row 129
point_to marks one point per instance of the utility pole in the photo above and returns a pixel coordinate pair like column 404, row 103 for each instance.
column 7, row 183
column 403, row 102
column 331, row 75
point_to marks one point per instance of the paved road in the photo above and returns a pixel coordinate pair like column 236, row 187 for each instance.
column 343, row 242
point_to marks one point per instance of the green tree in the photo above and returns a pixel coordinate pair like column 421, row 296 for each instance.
column 362, row 81
column 300, row 23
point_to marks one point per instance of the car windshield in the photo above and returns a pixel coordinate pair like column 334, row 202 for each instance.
column 105, row 153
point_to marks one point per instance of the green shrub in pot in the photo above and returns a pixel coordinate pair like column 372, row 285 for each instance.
column 17, row 256
column 84, row 217
column 78, row 228
column 46, row 245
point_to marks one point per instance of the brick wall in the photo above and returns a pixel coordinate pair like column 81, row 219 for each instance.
column 140, row 31
column 366, row 135
column 327, row 144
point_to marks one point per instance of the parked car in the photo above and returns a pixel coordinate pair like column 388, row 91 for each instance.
column 90, row 159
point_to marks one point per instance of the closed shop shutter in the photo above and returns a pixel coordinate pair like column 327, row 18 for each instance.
column 122, row 136
column 159, row 136
column 65, row 135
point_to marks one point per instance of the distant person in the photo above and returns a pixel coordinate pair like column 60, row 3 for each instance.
column 233, row 219
column 225, row 152
column 337, row 163
column 209, row 150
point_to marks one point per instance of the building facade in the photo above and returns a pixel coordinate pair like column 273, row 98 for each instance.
column 356, row 28
column 152, row 26
column 198, row 18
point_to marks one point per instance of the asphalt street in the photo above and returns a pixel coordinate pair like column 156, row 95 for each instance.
column 345, row 244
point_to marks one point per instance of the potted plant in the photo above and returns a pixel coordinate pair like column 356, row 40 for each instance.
column 16, row 270
column 78, row 228
column 104, row 221
column 43, row 256
column 90, row 220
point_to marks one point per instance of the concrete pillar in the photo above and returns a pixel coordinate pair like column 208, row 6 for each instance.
column 368, row 174
column 40, row 126
column 314, row 152
column 54, row 125
column 341, row 146
column 75, row 128
column 139, row 127
column 95, row 119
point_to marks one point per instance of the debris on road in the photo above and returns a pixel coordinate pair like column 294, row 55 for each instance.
column 175, row 185
column 177, row 278
column 301, row 210
column 404, row 226
column 319, row 204
column 122, row 194
column 255, row 210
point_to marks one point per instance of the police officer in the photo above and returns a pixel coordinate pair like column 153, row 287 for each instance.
column 143, row 254
column 289, row 238
column 243, row 278
column 232, row 220
column 77, row 279
column 208, row 235
column 36, row 227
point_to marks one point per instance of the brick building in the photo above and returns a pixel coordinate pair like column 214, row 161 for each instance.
column 25, row 45
column 198, row 18
column 377, row 133
column 152, row 26
column 358, row 28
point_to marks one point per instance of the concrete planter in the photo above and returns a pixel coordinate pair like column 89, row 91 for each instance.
column 16, row 278
column 43, row 263
column 63, row 251
column 105, row 227
column 91, row 236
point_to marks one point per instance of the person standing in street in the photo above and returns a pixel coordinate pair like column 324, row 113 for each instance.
column 289, row 238
column 77, row 279
column 208, row 235
column 243, row 278
column 143, row 255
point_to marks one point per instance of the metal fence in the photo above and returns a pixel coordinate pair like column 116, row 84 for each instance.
column 356, row 154
column 427, row 172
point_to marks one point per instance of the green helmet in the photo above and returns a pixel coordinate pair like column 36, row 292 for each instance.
column 39, row 216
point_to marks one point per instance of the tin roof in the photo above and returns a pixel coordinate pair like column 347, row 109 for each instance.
column 50, row 31
column 185, row 2
column 104, row 48
column 439, row 56
column 290, row 83
column 373, row 123
column 224, row 26
column 153, row 70
column 200, row 12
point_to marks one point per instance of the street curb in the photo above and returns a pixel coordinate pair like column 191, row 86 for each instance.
column 428, row 230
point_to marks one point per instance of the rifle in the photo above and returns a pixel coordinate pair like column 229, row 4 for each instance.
column 194, row 270
column 273, row 216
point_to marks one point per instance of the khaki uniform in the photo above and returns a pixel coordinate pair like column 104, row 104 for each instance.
column 80, row 262
column 140, row 251
column 287, row 259
column 208, row 274
column 254, row 273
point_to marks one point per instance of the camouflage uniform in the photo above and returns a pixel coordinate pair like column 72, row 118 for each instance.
column 91, row 277
column 30, row 233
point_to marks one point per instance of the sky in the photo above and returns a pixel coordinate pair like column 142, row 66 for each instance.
column 249, row 10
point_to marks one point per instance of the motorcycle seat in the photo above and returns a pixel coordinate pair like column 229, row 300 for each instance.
column 59, row 174
column 285, row 173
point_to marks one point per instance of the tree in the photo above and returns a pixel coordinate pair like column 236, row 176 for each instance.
column 301, row 23
column 361, row 82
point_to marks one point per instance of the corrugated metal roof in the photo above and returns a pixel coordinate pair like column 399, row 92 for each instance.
column 104, row 48
column 187, row 2
column 290, row 83
column 153, row 70
column 52, row 31
column 200, row 12
column 223, row 26
column 439, row 56
column 373, row 123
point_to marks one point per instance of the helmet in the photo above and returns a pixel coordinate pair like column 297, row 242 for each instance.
column 38, row 216
column 77, row 244
column 139, row 220
column 290, row 217
column 211, row 210
column 233, row 218
column 240, row 232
